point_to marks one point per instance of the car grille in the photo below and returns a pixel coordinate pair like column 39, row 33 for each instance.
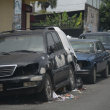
column 83, row 64
column 7, row 70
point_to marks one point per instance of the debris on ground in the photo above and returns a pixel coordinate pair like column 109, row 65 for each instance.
column 63, row 97
column 81, row 88
column 79, row 83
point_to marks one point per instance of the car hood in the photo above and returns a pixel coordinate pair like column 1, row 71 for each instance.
column 107, row 47
column 19, row 59
column 84, row 56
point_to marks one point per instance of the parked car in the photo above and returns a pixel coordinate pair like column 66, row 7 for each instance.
column 35, row 61
column 92, row 58
column 104, row 37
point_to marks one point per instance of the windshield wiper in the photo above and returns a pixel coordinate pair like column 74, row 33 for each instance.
column 23, row 51
column 4, row 53
column 82, row 52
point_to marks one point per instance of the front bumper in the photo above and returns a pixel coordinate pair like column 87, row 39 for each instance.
column 82, row 72
column 15, row 85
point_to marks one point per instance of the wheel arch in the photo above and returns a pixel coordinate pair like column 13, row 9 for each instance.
column 95, row 64
column 49, row 72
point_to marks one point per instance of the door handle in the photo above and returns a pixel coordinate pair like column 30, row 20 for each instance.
column 59, row 56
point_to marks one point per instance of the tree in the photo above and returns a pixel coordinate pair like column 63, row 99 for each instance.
column 33, row 5
column 104, row 14
column 46, row 4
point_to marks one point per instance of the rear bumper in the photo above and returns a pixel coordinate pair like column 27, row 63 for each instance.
column 16, row 85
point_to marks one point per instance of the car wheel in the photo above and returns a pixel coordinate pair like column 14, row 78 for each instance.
column 47, row 91
column 105, row 73
column 71, row 86
column 92, row 76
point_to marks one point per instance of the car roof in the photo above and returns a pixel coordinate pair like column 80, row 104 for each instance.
column 97, row 33
column 23, row 32
column 85, row 40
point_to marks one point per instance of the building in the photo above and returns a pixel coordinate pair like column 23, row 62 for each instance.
column 90, row 14
column 90, row 9
column 15, row 14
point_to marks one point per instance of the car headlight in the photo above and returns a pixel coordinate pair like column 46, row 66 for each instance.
column 27, row 70
column 31, row 69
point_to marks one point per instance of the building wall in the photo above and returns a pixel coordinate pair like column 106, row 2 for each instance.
column 6, row 15
column 91, row 19
column 94, row 3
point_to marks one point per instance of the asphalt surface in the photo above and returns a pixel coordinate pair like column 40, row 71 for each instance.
column 95, row 97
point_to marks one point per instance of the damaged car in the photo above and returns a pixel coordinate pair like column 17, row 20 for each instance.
column 35, row 61
column 92, row 58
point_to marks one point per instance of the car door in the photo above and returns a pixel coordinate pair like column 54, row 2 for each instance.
column 104, row 55
column 55, row 59
column 99, row 58
column 62, row 55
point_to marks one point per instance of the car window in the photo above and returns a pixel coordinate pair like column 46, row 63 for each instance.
column 57, row 41
column 101, row 46
column 50, row 40
column 32, row 42
column 97, row 46
column 81, row 46
column 105, row 39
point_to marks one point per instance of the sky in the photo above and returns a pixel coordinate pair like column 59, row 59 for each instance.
column 67, row 5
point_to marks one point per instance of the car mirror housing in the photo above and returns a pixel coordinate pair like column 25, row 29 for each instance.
column 99, row 51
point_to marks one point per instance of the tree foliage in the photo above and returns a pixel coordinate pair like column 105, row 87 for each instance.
column 62, row 21
column 46, row 4
column 104, row 14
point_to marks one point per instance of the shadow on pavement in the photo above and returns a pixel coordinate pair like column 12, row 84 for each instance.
column 21, row 99
column 98, row 79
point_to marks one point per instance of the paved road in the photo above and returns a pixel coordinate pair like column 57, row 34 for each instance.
column 96, row 97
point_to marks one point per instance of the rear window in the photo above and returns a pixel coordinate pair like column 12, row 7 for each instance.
column 104, row 39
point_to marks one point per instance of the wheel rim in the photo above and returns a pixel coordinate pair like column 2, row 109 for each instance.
column 71, row 77
column 94, row 75
column 107, row 70
column 48, row 88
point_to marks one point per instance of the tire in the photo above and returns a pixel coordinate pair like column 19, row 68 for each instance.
column 92, row 77
column 105, row 73
column 47, row 92
column 71, row 86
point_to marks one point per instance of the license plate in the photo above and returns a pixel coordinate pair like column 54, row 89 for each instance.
column 1, row 87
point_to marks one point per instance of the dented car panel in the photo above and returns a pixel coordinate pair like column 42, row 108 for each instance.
column 23, row 68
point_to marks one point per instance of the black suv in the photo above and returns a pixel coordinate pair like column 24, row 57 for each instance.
column 34, row 61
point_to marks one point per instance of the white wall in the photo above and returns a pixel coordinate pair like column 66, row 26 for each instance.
column 68, row 5
column 94, row 3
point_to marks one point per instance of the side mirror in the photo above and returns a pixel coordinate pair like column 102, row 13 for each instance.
column 99, row 51
column 51, row 49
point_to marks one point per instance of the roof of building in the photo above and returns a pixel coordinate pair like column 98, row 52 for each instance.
column 73, row 5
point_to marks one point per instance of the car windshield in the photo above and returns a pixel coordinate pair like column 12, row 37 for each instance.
column 23, row 42
column 81, row 46
column 104, row 39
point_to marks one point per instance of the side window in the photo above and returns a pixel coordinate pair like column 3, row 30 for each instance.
column 50, row 40
column 57, row 41
column 97, row 46
column 101, row 46
column 82, row 37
